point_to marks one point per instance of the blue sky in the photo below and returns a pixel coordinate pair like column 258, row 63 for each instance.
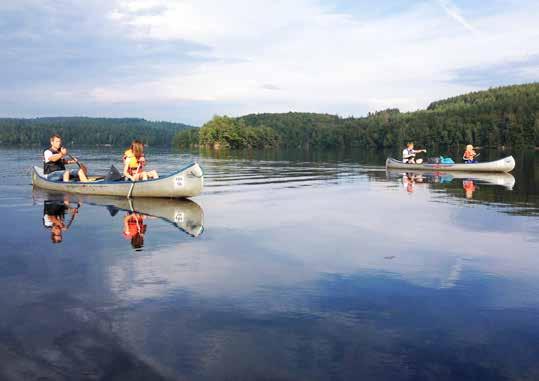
column 188, row 60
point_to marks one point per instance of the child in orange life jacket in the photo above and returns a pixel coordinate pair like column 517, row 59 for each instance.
column 134, row 163
column 469, row 155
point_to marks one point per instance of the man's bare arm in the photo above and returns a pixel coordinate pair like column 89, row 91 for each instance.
column 56, row 157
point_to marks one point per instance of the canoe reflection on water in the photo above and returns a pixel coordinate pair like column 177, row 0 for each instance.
column 469, row 179
column 60, row 210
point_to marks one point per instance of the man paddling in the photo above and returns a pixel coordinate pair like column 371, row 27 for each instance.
column 54, row 163
column 408, row 154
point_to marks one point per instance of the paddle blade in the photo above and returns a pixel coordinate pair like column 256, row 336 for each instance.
column 112, row 210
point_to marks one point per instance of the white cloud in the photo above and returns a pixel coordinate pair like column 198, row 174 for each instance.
column 319, row 58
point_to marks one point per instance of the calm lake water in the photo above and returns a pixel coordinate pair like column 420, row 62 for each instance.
column 290, row 266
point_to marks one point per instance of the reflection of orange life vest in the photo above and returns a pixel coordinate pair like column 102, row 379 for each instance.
column 469, row 155
column 134, row 226
column 468, row 185
column 134, row 163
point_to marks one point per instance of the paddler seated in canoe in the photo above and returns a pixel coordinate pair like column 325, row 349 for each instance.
column 408, row 154
column 134, row 163
column 469, row 155
column 54, row 162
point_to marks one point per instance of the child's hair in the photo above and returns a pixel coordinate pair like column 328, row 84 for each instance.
column 469, row 147
column 137, row 148
column 137, row 242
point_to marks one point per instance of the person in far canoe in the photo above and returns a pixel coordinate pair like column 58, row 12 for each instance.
column 469, row 155
column 54, row 163
column 408, row 154
column 134, row 163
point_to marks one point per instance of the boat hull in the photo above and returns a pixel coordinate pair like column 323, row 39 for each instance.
column 187, row 182
column 506, row 164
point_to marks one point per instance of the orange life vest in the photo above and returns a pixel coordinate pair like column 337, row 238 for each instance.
column 469, row 155
column 134, row 162
column 135, row 225
column 468, row 185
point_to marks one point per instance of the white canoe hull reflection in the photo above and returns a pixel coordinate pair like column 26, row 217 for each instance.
column 185, row 214
column 503, row 179
column 187, row 182
column 506, row 164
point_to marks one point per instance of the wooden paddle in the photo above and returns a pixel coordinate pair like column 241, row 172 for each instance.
column 132, row 185
column 83, row 168
column 75, row 160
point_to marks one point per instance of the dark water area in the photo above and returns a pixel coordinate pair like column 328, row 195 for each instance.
column 290, row 266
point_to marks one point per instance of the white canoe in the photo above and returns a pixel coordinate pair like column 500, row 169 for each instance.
column 506, row 164
column 187, row 182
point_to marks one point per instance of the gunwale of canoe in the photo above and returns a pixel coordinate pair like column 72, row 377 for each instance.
column 507, row 164
column 186, row 182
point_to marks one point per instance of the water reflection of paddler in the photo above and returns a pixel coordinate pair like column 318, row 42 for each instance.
column 469, row 188
column 410, row 179
column 134, row 229
column 54, row 212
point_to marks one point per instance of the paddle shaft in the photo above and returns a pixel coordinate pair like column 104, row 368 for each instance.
column 72, row 219
column 131, row 190
column 135, row 214
column 132, row 185
column 75, row 160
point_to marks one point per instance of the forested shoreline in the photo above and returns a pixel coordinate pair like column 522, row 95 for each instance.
column 499, row 117
column 84, row 131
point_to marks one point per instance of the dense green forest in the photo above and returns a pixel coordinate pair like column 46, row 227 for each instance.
column 504, row 116
column 87, row 131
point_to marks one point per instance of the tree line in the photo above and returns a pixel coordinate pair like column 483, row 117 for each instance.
column 504, row 116
column 84, row 131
